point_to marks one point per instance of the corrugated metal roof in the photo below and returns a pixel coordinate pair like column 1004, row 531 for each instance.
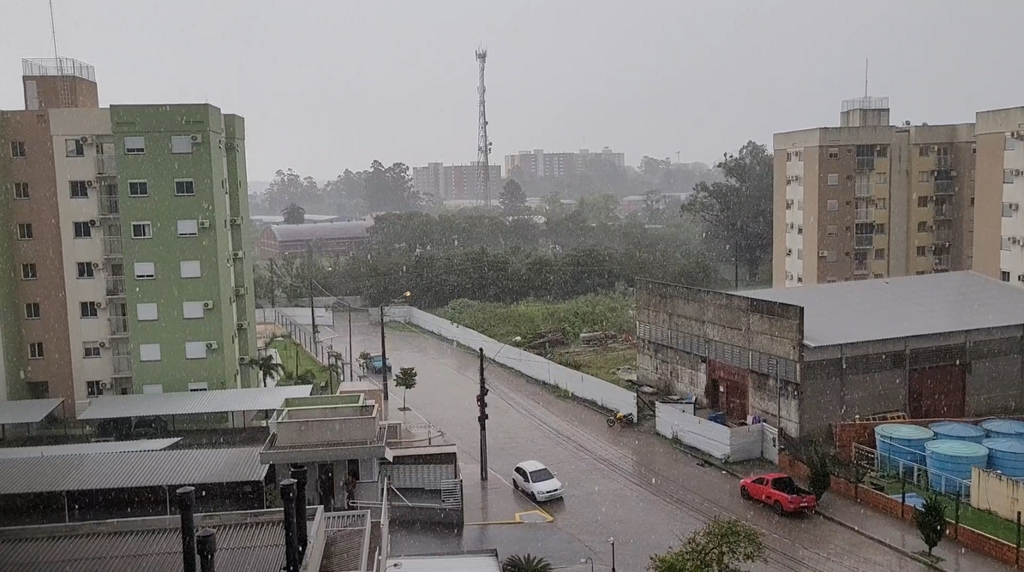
column 243, row 547
column 887, row 308
column 323, row 230
column 86, row 448
column 347, row 536
column 27, row 410
column 130, row 469
column 192, row 402
column 470, row 562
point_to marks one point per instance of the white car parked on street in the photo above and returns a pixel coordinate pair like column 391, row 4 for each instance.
column 536, row 481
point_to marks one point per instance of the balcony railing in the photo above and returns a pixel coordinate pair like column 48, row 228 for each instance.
column 861, row 267
column 863, row 240
column 863, row 215
column 943, row 212
column 122, row 365
column 943, row 187
column 940, row 262
column 862, row 190
column 944, row 235
column 106, row 165
column 865, row 163
column 112, row 247
column 118, row 326
column 115, row 286
column 944, row 162
column 109, row 207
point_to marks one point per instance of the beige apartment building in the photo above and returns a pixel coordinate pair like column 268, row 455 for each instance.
column 999, row 228
column 870, row 200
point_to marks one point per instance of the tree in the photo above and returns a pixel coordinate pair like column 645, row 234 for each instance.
column 267, row 367
column 551, row 206
column 820, row 465
column 406, row 379
column 293, row 214
column 333, row 368
column 931, row 521
column 526, row 563
column 737, row 212
column 599, row 209
column 721, row 546
column 654, row 207
column 512, row 198
column 389, row 189
column 345, row 193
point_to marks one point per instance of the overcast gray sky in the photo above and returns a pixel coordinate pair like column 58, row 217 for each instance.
column 325, row 85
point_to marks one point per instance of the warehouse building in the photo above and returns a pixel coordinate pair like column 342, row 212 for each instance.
column 939, row 345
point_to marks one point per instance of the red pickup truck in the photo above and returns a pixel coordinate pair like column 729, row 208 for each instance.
column 779, row 491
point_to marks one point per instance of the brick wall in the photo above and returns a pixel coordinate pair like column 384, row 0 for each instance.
column 966, row 537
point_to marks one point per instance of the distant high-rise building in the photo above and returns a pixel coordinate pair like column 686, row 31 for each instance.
column 540, row 164
column 129, row 248
column 999, row 192
column 454, row 182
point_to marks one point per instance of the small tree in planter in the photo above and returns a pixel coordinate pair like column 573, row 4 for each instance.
column 406, row 379
column 364, row 356
column 931, row 521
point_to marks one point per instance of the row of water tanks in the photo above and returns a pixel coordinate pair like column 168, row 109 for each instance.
column 952, row 448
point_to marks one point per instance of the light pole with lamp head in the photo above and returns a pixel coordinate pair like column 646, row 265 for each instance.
column 612, row 542
column 384, row 353
column 588, row 559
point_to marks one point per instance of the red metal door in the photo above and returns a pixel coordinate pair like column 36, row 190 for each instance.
column 734, row 387
column 937, row 392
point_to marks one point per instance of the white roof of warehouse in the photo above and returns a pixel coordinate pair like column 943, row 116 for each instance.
column 86, row 448
column 887, row 308
column 27, row 410
column 192, row 402
column 480, row 561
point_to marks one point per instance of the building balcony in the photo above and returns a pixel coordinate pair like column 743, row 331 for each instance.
column 944, row 187
column 106, row 165
column 863, row 241
column 122, row 366
column 109, row 207
column 325, row 428
column 863, row 215
column 943, row 236
column 863, row 191
column 861, row 267
column 944, row 162
column 118, row 326
column 115, row 286
column 865, row 164
column 112, row 247
column 943, row 212
column 940, row 262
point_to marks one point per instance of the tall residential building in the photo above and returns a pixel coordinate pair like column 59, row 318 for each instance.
column 999, row 244
column 540, row 164
column 871, row 200
column 454, row 182
column 127, row 233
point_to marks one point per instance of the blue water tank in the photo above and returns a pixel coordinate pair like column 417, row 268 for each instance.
column 1003, row 428
column 1006, row 456
column 897, row 442
column 955, row 431
column 947, row 458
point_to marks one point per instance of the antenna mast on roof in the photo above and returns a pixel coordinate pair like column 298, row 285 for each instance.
column 64, row 82
column 865, row 77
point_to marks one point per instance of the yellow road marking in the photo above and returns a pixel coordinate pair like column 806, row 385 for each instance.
column 544, row 518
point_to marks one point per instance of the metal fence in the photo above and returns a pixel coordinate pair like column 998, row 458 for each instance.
column 303, row 336
column 897, row 468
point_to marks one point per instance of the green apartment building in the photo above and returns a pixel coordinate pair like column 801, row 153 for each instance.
column 125, row 249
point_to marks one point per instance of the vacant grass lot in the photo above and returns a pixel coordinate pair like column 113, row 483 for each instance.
column 296, row 360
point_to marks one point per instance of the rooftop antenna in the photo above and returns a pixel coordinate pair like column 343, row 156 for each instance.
column 53, row 33
column 483, row 169
column 63, row 82
column 865, row 77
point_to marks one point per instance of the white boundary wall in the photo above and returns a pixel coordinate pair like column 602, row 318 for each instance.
column 599, row 391
column 730, row 444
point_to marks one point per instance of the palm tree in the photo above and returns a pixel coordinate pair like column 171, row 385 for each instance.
column 293, row 214
column 267, row 367
column 527, row 563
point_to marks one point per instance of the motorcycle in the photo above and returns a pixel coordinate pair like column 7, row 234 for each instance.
column 620, row 419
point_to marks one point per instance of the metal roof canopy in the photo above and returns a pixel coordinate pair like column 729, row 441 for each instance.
column 129, row 470
column 470, row 561
column 87, row 448
column 192, row 402
column 889, row 308
column 323, row 230
column 27, row 410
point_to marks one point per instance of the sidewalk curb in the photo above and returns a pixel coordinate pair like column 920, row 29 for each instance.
column 725, row 469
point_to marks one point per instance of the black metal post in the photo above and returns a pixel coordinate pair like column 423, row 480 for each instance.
column 291, row 545
column 206, row 544
column 481, row 404
column 273, row 286
column 612, row 541
column 186, row 506
column 956, row 516
column 298, row 472
column 312, row 315
column 351, row 358
column 903, row 491
column 383, row 363
column 1017, row 558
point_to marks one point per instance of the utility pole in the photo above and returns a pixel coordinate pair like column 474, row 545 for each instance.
column 481, row 405
column 383, row 363
column 312, row 317
column 351, row 357
column 273, row 286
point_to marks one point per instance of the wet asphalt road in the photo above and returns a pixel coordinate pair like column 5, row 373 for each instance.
column 622, row 482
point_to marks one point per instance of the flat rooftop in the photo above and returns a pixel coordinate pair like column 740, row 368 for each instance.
column 888, row 308
column 192, row 402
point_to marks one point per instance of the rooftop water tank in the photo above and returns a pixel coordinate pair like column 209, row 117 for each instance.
column 956, row 431
column 947, row 458
column 1003, row 428
column 1006, row 456
column 896, row 443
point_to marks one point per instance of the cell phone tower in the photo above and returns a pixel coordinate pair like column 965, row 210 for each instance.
column 483, row 169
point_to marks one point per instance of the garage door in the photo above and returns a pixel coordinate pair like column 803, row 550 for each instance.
column 937, row 392
column 734, row 388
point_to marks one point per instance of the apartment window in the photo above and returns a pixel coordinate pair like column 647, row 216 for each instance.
column 146, row 312
column 190, row 269
column 35, row 350
column 924, row 151
column 149, row 352
column 799, row 278
column 833, row 152
column 800, row 204
column 192, row 310
column 922, row 226
column 879, row 254
column 881, row 178
column 188, row 227
column 90, row 309
column 181, row 143
column 28, row 271
column 18, row 149
column 789, row 157
column 138, row 188
column 798, row 155
column 24, row 231
column 91, row 350
column 922, row 251
column 881, row 151
column 199, row 386
column 184, row 187
column 135, row 145
column 83, row 229
column 86, row 270
column 145, row 271
column 879, row 228
column 79, row 189
column 1008, row 176
column 924, row 176
column 799, row 229
column 833, row 179
column 1010, row 144
column 1004, row 275
column 922, row 201
column 831, row 256
column 832, row 205
column 32, row 311
column 1004, row 243
column 832, row 230
column 799, row 254
column 195, row 350
column 1008, row 209
column 142, row 229
column 21, row 191
column 74, row 147
column 93, row 388
column 974, row 149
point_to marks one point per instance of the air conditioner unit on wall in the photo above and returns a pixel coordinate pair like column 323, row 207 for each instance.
column 107, row 384
column 243, row 360
column 84, row 139
column 208, row 305
column 196, row 138
column 211, row 345
column 204, row 223
column 243, row 325
column 102, row 344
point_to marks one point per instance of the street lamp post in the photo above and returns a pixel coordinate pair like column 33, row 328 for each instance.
column 588, row 559
column 612, row 542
